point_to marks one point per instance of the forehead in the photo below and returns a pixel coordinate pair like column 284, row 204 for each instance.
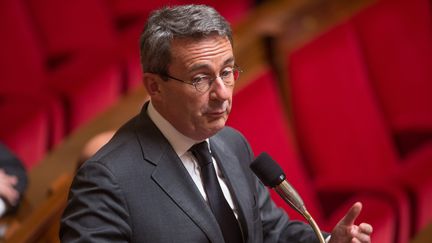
column 189, row 52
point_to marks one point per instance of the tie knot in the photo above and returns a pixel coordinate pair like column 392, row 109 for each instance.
column 202, row 153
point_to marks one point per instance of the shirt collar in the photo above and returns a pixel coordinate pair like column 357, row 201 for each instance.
column 180, row 143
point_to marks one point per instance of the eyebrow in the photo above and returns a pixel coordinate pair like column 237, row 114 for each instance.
column 200, row 66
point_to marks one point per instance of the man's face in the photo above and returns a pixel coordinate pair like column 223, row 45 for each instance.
column 195, row 114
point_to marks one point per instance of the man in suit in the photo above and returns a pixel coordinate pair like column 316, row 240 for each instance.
column 148, row 184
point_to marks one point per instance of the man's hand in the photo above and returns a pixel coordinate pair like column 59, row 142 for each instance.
column 346, row 231
column 7, row 189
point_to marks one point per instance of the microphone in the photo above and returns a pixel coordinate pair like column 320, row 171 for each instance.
column 272, row 175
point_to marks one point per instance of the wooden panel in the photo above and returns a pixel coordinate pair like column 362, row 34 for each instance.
column 43, row 223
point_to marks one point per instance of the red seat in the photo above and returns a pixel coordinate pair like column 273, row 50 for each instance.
column 338, row 119
column 258, row 114
column 21, row 54
column 69, row 27
column 32, row 117
column 80, row 37
column 396, row 39
column 334, row 108
column 88, row 85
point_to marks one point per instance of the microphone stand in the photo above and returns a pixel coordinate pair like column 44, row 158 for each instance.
column 269, row 172
column 295, row 201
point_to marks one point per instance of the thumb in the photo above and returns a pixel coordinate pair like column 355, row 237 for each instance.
column 351, row 215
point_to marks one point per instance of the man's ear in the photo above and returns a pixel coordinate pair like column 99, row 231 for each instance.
column 151, row 83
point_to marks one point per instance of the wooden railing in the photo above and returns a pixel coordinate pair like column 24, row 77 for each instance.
column 42, row 225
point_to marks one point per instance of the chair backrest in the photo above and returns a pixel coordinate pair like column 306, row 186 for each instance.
column 340, row 126
column 258, row 113
column 21, row 62
column 396, row 38
column 24, row 124
column 68, row 27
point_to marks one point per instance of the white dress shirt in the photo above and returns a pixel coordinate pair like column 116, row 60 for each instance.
column 181, row 145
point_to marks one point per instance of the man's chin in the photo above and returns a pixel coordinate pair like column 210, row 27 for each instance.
column 218, row 123
column 215, row 127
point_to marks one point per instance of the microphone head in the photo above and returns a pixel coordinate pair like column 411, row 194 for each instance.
column 267, row 170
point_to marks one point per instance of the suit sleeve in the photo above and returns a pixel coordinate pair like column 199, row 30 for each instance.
column 96, row 209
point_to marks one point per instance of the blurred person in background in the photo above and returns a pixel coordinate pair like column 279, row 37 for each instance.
column 93, row 145
column 13, row 181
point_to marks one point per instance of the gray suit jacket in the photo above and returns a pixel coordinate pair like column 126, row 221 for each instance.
column 136, row 189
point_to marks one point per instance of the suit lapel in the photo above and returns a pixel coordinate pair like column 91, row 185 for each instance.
column 236, row 180
column 173, row 178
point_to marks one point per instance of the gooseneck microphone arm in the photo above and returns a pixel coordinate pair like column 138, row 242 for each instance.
column 270, row 173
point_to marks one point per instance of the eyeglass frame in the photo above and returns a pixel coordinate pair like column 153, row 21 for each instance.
column 211, row 79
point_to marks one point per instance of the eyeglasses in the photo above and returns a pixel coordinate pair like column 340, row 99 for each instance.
column 203, row 83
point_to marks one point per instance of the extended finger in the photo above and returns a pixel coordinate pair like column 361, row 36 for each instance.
column 352, row 214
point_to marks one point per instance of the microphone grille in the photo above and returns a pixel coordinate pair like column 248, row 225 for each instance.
column 267, row 170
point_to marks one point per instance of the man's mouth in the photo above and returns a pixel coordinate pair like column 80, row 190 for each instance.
column 218, row 112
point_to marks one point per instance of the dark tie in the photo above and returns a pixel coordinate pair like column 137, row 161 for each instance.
column 218, row 204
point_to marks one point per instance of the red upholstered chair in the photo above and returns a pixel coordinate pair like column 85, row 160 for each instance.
column 66, row 28
column 258, row 113
column 86, row 90
column 339, row 122
column 20, row 53
column 80, row 44
column 396, row 39
column 32, row 118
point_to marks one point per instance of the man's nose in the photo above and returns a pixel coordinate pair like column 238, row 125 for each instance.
column 219, row 90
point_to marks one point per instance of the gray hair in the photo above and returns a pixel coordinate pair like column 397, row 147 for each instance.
column 166, row 24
